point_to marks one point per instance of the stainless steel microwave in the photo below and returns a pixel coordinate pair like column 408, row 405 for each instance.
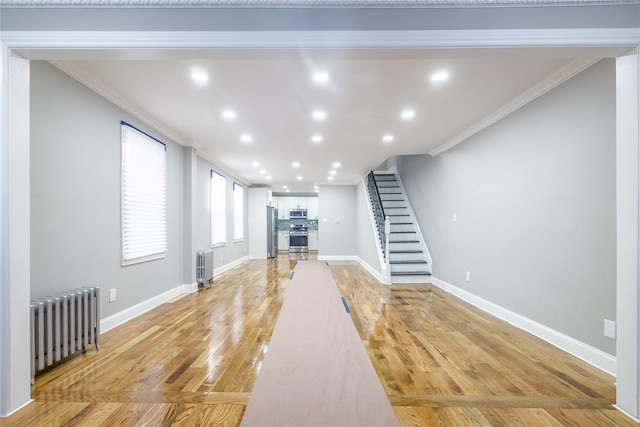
column 298, row 213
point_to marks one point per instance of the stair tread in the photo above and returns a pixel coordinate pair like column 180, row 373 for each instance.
column 413, row 251
column 404, row 241
column 402, row 232
column 413, row 261
column 410, row 273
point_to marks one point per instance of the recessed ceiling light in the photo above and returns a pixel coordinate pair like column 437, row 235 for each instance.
column 295, row 164
column 287, row 191
column 316, row 190
column 439, row 76
column 245, row 137
column 387, row 138
column 319, row 115
column 268, row 177
column 316, row 138
column 333, row 172
column 336, row 164
column 228, row 114
column 408, row 114
column 321, row 77
column 255, row 164
column 199, row 76
column 284, row 186
column 315, row 186
column 299, row 178
column 330, row 178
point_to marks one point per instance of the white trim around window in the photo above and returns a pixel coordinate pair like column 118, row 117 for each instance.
column 238, row 212
column 218, row 203
column 144, row 196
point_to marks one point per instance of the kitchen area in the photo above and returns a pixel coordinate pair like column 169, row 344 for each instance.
column 297, row 223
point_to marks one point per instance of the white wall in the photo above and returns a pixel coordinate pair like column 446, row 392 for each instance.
column 535, row 199
column 258, row 202
column 14, row 232
column 367, row 242
column 337, row 221
column 628, row 205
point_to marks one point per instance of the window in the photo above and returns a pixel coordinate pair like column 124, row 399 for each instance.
column 218, row 209
column 238, row 211
column 144, row 197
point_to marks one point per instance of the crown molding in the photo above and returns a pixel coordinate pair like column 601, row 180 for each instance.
column 538, row 90
column 86, row 79
column 83, row 77
column 49, row 41
column 300, row 3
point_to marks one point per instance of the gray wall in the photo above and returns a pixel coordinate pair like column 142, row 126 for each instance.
column 316, row 18
column 231, row 251
column 535, row 201
column 75, row 196
column 337, row 235
column 75, row 199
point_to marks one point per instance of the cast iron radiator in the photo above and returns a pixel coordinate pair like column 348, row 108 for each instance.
column 62, row 325
column 204, row 267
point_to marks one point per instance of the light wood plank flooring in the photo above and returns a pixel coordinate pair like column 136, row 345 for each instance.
column 193, row 361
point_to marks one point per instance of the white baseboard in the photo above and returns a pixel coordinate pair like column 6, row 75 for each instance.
column 187, row 289
column 627, row 414
column 3, row 415
column 136, row 310
column 373, row 272
column 591, row 355
column 229, row 266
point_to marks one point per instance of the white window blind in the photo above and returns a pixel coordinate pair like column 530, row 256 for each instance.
column 238, row 211
column 144, row 199
column 218, row 209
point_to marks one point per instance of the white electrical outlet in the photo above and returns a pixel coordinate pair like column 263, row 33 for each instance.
column 454, row 217
column 610, row 329
column 112, row 295
column 468, row 277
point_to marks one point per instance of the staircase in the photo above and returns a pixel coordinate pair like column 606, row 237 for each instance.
column 408, row 258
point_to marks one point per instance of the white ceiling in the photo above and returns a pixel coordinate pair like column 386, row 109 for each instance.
column 273, row 95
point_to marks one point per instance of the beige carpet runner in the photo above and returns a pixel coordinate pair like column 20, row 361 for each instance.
column 316, row 371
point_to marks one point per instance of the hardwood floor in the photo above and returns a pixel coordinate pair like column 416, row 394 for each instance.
column 193, row 361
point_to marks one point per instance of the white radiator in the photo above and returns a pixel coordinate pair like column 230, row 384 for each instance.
column 63, row 325
column 204, row 267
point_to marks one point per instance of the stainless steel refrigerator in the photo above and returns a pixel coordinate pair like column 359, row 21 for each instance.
column 272, row 232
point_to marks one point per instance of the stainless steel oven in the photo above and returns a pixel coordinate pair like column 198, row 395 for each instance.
column 298, row 239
